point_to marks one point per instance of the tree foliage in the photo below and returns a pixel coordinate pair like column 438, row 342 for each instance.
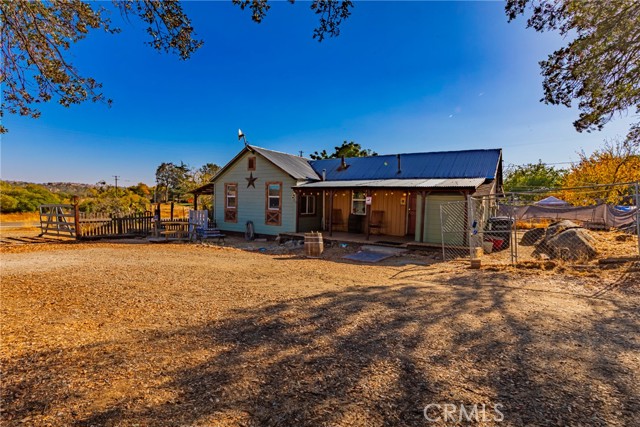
column 35, row 37
column 617, row 162
column 27, row 197
column 600, row 67
column 173, row 179
column 347, row 149
column 533, row 176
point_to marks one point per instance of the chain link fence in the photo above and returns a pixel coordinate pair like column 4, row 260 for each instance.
column 572, row 225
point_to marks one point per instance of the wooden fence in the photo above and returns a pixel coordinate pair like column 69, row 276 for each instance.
column 126, row 226
column 68, row 220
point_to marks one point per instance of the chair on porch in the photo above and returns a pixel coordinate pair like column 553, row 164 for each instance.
column 375, row 223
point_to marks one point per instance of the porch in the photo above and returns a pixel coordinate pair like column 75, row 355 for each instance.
column 361, row 239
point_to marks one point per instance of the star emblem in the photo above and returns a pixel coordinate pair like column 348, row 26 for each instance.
column 251, row 181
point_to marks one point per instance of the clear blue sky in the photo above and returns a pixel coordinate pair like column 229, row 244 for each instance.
column 402, row 77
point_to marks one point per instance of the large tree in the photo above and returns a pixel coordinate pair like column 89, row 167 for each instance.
column 600, row 67
column 35, row 37
column 534, row 176
column 347, row 149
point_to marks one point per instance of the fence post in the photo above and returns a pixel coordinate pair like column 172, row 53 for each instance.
column 76, row 217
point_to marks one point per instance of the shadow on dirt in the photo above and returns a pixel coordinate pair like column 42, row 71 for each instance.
column 365, row 356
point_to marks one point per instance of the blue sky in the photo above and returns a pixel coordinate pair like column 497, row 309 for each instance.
column 401, row 77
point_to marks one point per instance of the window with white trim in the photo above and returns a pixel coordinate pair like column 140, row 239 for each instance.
column 232, row 196
column 307, row 204
column 358, row 203
column 274, row 193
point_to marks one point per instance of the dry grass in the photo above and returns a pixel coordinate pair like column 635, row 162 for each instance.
column 181, row 334
column 20, row 217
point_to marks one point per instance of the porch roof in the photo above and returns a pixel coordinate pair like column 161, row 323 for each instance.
column 398, row 183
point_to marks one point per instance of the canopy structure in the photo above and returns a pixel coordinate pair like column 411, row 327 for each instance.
column 552, row 201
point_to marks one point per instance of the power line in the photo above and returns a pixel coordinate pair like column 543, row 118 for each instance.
column 116, row 177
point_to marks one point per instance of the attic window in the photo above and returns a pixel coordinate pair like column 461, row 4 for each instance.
column 251, row 163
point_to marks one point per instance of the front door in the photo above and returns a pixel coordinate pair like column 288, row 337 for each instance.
column 411, row 214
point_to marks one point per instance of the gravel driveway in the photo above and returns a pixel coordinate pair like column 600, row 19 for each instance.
column 183, row 334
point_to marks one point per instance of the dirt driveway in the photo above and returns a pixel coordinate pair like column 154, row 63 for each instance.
column 183, row 334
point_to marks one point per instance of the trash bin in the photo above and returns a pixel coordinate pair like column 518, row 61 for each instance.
column 499, row 228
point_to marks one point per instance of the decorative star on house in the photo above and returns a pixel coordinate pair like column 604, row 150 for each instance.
column 251, row 181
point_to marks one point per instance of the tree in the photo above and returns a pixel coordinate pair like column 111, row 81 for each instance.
column 347, row 149
column 533, row 176
column 172, row 178
column 617, row 162
column 35, row 38
column 600, row 67
column 204, row 174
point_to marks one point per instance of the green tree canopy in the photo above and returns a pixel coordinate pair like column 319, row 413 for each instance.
column 533, row 176
column 174, row 179
column 600, row 67
column 347, row 149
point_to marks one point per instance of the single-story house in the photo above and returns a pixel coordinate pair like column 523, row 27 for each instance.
column 395, row 195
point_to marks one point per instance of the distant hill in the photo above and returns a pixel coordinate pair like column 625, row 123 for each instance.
column 65, row 188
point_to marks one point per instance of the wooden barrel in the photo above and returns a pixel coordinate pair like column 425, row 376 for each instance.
column 313, row 244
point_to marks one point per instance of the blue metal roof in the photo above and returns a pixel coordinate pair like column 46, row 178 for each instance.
column 445, row 164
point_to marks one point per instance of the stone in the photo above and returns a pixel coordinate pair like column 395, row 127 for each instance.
column 533, row 236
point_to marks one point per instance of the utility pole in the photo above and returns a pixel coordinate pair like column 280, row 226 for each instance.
column 301, row 153
column 116, row 177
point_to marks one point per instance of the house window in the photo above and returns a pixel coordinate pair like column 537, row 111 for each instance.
column 358, row 203
column 273, row 202
column 307, row 204
column 231, row 202
column 251, row 163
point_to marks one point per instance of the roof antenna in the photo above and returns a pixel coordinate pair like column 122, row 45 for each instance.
column 242, row 136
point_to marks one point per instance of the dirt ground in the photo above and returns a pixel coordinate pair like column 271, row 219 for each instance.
column 135, row 334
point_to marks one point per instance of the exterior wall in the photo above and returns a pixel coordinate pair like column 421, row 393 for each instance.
column 394, row 219
column 342, row 201
column 390, row 201
column 432, row 225
column 252, row 201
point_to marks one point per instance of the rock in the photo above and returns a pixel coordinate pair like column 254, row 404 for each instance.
column 559, row 226
column 570, row 244
column 531, row 237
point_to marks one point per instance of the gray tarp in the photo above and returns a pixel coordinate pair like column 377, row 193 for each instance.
column 603, row 214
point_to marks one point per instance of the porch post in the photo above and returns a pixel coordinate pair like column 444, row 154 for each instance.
column 195, row 201
column 367, row 210
column 297, row 207
column 423, row 195
column 331, row 212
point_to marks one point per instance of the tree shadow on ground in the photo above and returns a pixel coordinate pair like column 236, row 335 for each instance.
column 371, row 355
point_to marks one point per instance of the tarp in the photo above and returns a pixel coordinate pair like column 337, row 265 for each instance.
column 601, row 214
column 552, row 201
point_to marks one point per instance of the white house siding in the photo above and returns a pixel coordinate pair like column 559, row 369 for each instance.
column 251, row 201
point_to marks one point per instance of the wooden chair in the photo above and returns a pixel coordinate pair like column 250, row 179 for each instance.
column 375, row 222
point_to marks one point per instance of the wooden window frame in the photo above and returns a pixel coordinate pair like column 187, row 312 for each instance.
column 250, row 160
column 363, row 200
column 304, row 204
column 272, row 216
column 230, row 213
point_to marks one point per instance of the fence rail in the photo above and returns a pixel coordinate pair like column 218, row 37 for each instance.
column 131, row 225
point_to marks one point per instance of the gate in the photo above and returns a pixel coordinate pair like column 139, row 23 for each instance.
column 58, row 220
